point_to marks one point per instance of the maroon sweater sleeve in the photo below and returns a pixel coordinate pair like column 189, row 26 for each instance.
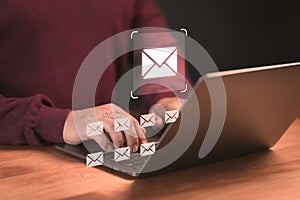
column 33, row 120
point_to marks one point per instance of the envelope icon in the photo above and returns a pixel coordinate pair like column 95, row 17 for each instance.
column 95, row 128
column 147, row 120
column 122, row 124
column 171, row 116
column 121, row 154
column 94, row 159
column 147, row 149
column 159, row 62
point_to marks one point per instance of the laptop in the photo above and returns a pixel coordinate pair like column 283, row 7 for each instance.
column 260, row 104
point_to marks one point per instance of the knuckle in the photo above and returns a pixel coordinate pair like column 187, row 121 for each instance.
column 119, row 142
column 134, row 141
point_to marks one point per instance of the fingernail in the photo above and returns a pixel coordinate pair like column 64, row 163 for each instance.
column 135, row 148
column 144, row 141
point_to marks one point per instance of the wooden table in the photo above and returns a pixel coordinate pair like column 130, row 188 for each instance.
column 45, row 173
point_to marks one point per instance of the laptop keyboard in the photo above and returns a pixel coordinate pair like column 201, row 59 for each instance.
column 135, row 163
column 135, row 160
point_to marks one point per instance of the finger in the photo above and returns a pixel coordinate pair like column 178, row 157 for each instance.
column 132, row 135
column 144, row 130
column 135, row 134
column 135, row 131
column 141, row 132
column 132, row 139
column 159, row 112
column 141, row 136
column 103, row 142
column 116, row 137
column 106, row 113
column 159, row 122
column 132, row 142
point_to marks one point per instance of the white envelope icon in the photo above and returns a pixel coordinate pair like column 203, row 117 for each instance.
column 159, row 62
column 122, row 124
column 147, row 120
column 94, row 159
column 93, row 129
column 147, row 149
column 171, row 116
column 121, row 154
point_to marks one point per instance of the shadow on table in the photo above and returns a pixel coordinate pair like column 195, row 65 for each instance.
column 242, row 169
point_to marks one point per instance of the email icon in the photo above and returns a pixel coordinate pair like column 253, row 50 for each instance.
column 122, row 124
column 171, row 116
column 159, row 62
column 94, row 159
column 147, row 149
column 121, row 154
column 94, row 129
column 147, row 120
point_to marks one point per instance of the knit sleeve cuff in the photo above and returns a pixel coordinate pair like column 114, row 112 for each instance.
column 46, row 122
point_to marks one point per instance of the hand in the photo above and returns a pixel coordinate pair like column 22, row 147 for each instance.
column 163, row 105
column 106, row 113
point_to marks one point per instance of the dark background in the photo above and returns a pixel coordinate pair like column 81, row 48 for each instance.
column 237, row 33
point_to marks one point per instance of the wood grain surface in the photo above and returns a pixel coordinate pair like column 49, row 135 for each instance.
column 45, row 173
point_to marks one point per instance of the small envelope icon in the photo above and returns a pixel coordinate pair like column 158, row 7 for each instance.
column 147, row 149
column 159, row 62
column 122, row 124
column 171, row 116
column 147, row 120
column 94, row 159
column 95, row 128
column 121, row 154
